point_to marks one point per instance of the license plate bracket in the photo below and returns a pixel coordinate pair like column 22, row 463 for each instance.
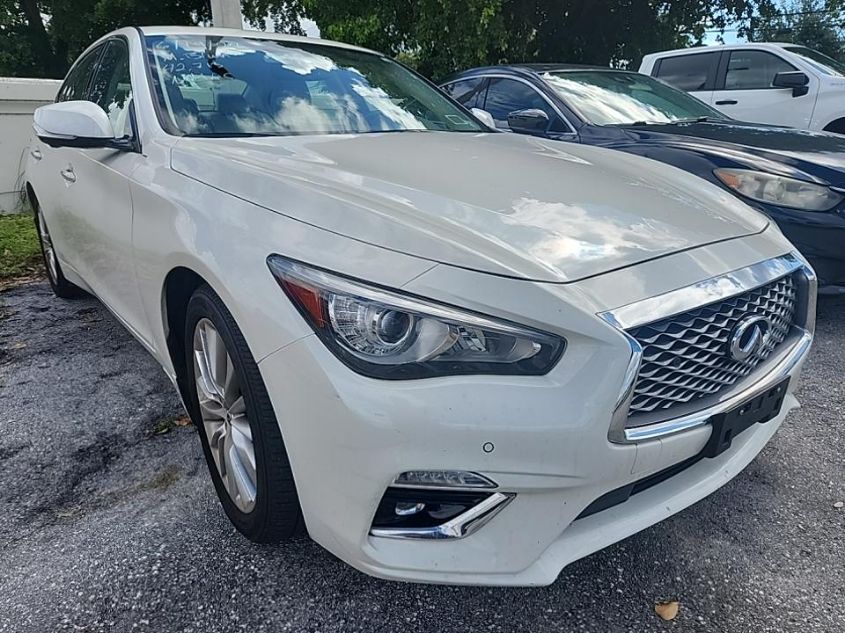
column 757, row 410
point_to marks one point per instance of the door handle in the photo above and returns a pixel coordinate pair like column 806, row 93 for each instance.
column 68, row 174
column 727, row 102
column 35, row 153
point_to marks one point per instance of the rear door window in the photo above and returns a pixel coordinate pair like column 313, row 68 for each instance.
column 692, row 73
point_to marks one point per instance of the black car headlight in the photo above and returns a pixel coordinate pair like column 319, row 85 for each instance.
column 385, row 334
column 779, row 190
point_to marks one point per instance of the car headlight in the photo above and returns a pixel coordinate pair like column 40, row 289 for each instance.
column 385, row 334
column 779, row 190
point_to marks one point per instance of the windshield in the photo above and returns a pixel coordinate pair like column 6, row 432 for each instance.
column 235, row 86
column 605, row 97
column 819, row 61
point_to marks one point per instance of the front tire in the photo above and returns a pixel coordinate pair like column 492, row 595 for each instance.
column 61, row 287
column 238, row 429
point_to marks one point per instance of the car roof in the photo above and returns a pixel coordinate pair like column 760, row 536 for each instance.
column 258, row 35
column 529, row 70
column 550, row 67
column 720, row 47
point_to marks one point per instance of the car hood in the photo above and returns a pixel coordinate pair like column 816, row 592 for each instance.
column 791, row 152
column 499, row 203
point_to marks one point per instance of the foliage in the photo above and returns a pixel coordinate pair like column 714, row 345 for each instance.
column 20, row 252
column 41, row 38
column 441, row 36
column 818, row 24
column 283, row 15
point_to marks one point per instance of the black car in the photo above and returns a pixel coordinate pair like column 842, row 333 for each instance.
column 796, row 177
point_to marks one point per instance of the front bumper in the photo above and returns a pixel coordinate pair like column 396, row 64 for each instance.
column 544, row 439
column 346, row 452
column 820, row 237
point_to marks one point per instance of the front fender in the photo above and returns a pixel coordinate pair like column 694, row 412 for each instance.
column 180, row 222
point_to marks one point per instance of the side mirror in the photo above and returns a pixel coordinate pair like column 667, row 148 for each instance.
column 485, row 117
column 530, row 121
column 77, row 124
column 794, row 79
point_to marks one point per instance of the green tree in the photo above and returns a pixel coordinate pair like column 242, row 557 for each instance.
column 440, row 36
column 818, row 24
column 41, row 38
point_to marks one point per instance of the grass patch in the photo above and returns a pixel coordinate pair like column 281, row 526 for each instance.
column 20, row 254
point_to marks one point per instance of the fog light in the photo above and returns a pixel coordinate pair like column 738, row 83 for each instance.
column 435, row 514
column 443, row 479
column 404, row 509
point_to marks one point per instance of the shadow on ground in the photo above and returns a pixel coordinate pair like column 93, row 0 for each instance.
column 108, row 524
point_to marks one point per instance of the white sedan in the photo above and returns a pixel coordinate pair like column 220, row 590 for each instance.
column 452, row 355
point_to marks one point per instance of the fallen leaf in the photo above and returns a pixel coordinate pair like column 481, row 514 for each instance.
column 667, row 610
column 839, row 505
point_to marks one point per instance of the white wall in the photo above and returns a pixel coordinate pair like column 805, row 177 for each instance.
column 18, row 100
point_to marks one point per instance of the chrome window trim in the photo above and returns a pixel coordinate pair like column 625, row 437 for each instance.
column 572, row 131
column 702, row 293
column 459, row 527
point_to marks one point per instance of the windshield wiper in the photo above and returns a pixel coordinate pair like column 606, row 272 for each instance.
column 698, row 119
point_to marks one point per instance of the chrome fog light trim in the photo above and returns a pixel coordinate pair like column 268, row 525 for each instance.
column 459, row 527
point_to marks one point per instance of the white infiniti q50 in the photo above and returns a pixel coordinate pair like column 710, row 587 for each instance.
column 452, row 355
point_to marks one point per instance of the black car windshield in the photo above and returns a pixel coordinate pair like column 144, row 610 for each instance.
column 607, row 97
column 237, row 86
column 819, row 61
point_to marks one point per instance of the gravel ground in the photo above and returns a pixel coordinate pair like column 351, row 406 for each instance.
column 108, row 525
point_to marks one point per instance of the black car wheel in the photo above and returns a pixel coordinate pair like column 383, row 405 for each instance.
column 237, row 425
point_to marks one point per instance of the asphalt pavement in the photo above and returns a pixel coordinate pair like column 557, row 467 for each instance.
column 109, row 522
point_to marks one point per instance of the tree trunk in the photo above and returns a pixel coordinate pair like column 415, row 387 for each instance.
column 40, row 40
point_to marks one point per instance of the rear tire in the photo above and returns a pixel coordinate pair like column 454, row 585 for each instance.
column 240, row 436
column 61, row 287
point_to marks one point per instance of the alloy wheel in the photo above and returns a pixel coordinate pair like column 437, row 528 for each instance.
column 224, row 415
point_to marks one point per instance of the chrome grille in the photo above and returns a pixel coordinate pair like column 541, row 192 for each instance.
column 685, row 357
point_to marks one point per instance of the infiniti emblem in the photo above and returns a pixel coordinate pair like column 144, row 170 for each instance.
column 748, row 337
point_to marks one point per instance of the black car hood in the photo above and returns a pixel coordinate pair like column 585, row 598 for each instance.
column 787, row 151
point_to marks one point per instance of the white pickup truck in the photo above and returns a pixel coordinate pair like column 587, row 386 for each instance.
column 779, row 84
